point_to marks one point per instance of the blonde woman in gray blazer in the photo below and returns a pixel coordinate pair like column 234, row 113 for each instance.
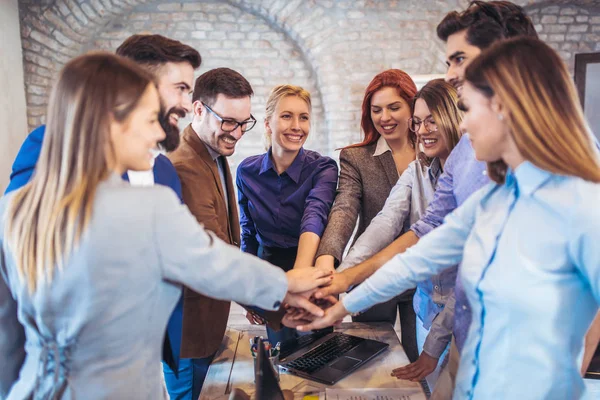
column 368, row 172
column 91, row 267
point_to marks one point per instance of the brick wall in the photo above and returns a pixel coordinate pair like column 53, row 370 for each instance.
column 332, row 48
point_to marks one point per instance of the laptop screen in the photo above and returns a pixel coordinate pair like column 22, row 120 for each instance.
column 267, row 387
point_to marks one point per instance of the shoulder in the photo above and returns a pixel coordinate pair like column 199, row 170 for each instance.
column 112, row 196
column 580, row 197
column 316, row 159
column 162, row 163
column 251, row 164
column 359, row 154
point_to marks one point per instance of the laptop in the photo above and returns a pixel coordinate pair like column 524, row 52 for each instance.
column 326, row 356
column 267, row 387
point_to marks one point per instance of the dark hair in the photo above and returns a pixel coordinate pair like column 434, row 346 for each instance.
column 487, row 22
column 545, row 118
column 220, row 81
column 406, row 89
column 156, row 50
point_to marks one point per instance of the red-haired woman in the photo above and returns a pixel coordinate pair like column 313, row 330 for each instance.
column 368, row 172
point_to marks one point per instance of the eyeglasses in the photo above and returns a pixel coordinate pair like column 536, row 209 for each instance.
column 230, row 125
column 415, row 124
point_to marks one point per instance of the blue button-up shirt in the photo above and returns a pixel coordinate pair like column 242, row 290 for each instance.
column 463, row 175
column 531, row 272
column 276, row 209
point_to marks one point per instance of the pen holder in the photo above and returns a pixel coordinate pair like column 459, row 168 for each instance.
column 274, row 360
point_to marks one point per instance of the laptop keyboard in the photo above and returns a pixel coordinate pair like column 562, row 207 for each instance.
column 324, row 353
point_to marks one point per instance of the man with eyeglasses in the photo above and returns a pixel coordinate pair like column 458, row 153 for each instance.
column 221, row 107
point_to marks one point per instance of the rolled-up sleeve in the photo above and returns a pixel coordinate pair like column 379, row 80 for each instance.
column 320, row 198
column 440, row 332
column 345, row 210
column 227, row 273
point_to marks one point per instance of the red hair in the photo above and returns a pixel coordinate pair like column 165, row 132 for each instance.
column 394, row 78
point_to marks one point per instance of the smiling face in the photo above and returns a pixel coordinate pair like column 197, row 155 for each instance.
column 208, row 127
column 390, row 113
column 429, row 134
column 459, row 54
column 175, row 82
column 289, row 125
column 135, row 140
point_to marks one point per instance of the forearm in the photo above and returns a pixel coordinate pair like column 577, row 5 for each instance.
column 362, row 271
column 325, row 261
column 307, row 248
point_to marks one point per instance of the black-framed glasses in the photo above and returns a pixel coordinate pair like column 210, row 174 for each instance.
column 230, row 125
column 414, row 124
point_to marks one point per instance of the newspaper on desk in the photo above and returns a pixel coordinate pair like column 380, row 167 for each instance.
column 375, row 394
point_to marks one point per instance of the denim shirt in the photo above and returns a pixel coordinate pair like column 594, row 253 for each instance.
column 530, row 267
column 408, row 200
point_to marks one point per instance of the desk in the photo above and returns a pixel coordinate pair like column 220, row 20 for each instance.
column 234, row 368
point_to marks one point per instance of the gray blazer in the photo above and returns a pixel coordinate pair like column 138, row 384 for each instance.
column 96, row 331
column 365, row 183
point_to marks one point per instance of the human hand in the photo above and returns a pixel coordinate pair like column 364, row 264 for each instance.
column 254, row 318
column 295, row 317
column 298, row 301
column 305, row 279
column 332, row 316
column 339, row 283
column 418, row 370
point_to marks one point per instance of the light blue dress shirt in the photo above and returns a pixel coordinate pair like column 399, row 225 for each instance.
column 531, row 273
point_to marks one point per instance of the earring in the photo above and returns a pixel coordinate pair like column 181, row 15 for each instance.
column 500, row 117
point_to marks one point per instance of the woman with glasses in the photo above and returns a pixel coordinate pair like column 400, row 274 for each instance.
column 435, row 121
column 369, row 171
column 527, row 243
column 285, row 195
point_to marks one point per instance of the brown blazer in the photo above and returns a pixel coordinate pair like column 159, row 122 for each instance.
column 204, row 319
column 365, row 183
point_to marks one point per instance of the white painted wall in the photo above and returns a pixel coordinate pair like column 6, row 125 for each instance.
column 13, row 113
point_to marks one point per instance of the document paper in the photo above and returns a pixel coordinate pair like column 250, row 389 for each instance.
column 375, row 394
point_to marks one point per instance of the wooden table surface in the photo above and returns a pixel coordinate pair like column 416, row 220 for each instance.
column 233, row 367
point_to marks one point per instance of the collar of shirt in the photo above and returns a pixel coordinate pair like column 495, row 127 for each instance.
column 382, row 146
column 293, row 171
column 527, row 178
column 435, row 169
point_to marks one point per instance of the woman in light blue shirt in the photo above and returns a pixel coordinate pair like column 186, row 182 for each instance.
column 527, row 242
column 435, row 121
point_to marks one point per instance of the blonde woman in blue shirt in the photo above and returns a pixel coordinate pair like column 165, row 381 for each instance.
column 527, row 242
column 435, row 122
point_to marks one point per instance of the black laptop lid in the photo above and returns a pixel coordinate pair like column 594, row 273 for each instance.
column 267, row 387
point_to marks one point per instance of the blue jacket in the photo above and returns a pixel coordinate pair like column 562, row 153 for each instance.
column 164, row 174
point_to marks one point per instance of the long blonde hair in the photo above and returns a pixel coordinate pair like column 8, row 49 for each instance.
column 545, row 117
column 278, row 93
column 47, row 217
